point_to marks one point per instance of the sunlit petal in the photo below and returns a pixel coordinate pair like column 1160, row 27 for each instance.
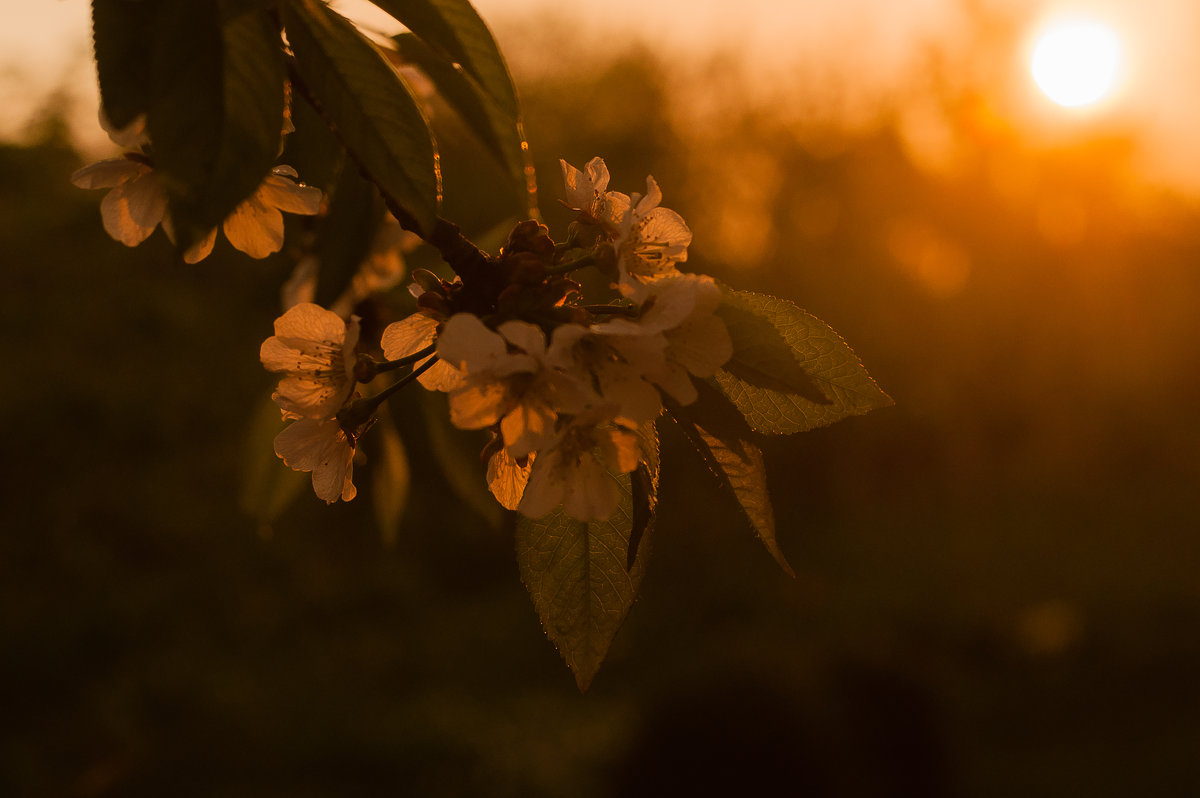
column 286, row 195
column 255, row 228
column 507, row 478
column 202, row 248
column 118, row 219
column 108, row 173
column 478, row 405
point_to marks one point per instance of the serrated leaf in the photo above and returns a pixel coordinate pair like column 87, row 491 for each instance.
column 644, row 489
column 500, row 132
column 724, row 442
column 371, row 107
column 268, row 486
column 217, row 114
column 122, row 34
column 790, row 372
column 391, row 477
column 455, row 29
column 576, row 574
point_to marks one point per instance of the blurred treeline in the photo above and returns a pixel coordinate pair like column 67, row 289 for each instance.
column 996, row 591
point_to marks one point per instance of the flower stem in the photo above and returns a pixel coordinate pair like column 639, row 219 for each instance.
column 628, row 311
column 389, row 365
column 572, row 265
column 358, row 412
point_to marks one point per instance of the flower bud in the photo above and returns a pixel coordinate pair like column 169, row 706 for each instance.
column 427, row 280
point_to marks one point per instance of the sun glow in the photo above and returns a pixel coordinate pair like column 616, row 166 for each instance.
column 1076, row 62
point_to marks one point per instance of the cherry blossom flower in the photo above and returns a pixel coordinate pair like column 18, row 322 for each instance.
column 681, row 309
column 507, row 381
column 409, row 336
column 586, row 192
column 574, row 470
column 324, row 448
column 314, row 349
column 650, row 239
column 592, row 358
column 135, row 204
column 256, row 224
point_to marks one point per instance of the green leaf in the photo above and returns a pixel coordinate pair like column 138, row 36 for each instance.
column 724, row 442
column 268, row 486
column 391, row 478
column 644, row 490
column 455, row 29
column 123, row 35
column 216, row 118
column 576, row 573
column 499, row 131
column 370, row 106
column 790, row 372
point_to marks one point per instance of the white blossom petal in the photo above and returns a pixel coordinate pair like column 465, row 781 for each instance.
column 314, row 349
column 701, row 345
column 108, row 173
column 408, row 336
column 307, row 321
column 527, row 337
column 507, row 478
column 202, row 248
column 582, row 188
column 637, row 400
column 527, row 427
column 255, row 228
column 478, row 405
column 441, row 376
column 286, row 195
column 546, row 486
column 465, row 339
column 128, row 211
column 591, row 494
column 323, row 448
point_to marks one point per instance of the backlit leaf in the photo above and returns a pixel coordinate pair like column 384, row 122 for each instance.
column 122, row 33
column 644, row 488
column 576, row 573
column 724, row 442
column 790, row 372
column 500, row 132
column 371, row 107
column 216, row 117
column 454, row 28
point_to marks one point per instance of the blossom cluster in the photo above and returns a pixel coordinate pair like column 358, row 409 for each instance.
column 136, row 203
column 563, row 386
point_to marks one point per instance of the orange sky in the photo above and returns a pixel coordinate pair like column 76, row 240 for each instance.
column 866, row 47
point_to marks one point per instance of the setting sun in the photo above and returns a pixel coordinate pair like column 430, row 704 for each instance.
column 1076, row 62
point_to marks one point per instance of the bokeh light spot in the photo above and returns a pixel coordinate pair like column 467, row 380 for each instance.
column 1076, row 62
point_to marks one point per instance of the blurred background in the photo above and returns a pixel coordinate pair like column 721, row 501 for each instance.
column 996, row 590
